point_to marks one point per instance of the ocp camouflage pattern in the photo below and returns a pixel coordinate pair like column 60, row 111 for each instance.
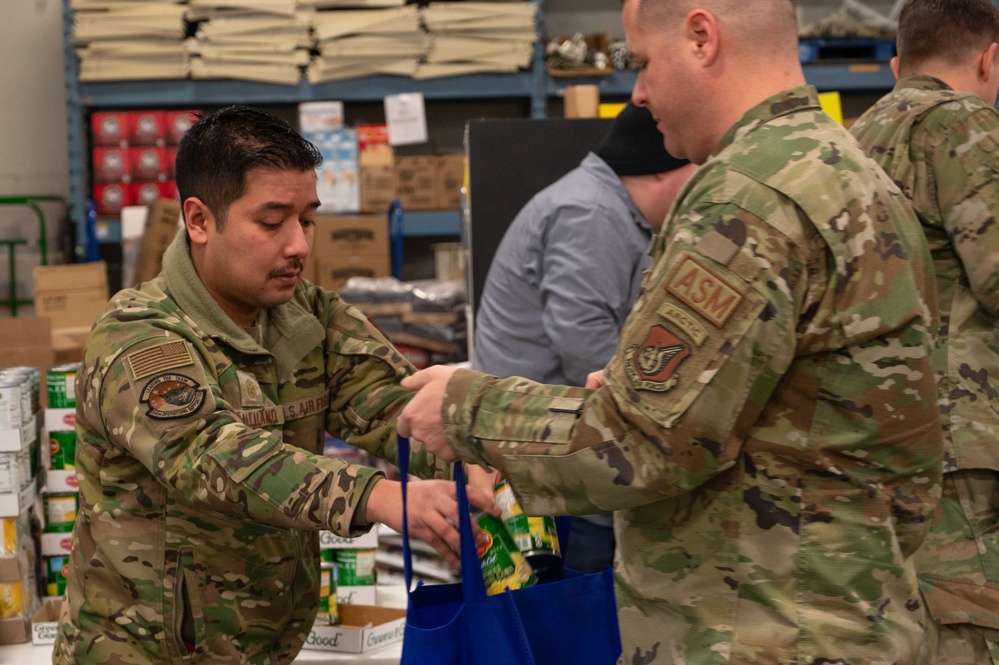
column 768, row 436
column 203, row 483
column 941, row 146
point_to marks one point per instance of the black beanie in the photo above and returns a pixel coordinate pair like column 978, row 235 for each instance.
column 634, row 146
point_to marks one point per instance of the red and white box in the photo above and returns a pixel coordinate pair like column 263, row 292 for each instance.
column 177, row 123
column 111, row 164
column 149, row 162
column 110, row 128
column 147, row 128
column 111, row 197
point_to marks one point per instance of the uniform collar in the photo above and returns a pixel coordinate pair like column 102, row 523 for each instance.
column 291, row 331
column 922, row 82
column 783, row 103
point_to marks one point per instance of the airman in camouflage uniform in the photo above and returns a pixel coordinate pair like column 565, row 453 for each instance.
column 767, row 433
column 937, row 135
column 203, row 484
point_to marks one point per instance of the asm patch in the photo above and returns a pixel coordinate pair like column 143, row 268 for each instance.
column 171, row 396
column 704, row 292
column 652, row 365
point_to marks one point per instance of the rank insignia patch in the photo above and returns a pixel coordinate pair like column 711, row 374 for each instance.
column 653, row 364
column 171, row 396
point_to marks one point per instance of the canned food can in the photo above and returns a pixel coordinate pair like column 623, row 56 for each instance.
column 535, row 537
column 503, row 565
column 355, row 567
column 34, row 380
column 60, row 384
column 329, row 614
column 56, row 568
column 60, row 511
column 62, row 450
column 11, row 600
column 10, row 403
column 327, row 555
column 23, row 377
column 9, row 532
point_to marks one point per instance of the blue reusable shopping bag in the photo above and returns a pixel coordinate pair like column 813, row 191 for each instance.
column 569, row 620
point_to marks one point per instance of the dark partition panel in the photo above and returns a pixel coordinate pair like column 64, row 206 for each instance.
column 510, row 160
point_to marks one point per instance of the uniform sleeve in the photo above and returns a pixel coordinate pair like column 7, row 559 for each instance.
column 363, row 374
column 708, row 340
column 967, row 184
column 586, row 284
column 160, row 404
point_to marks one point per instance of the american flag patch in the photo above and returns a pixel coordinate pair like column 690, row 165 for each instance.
column 159, row 359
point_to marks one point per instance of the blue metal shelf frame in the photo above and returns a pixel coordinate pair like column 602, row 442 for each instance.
column 535, row 86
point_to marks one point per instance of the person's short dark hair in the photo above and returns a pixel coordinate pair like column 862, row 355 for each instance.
column 951, row 30
column 220, row 148
column 634, row 146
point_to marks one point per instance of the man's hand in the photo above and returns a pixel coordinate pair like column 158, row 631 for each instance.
column 596, row 379
column 421, row 419
column 481, row 486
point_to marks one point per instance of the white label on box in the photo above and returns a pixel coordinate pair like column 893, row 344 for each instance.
column 356, row 595
column 13, row 440
column 406, row 117
column 330, row 541
column 56, row 544
column 44, row 632
column 60, row 420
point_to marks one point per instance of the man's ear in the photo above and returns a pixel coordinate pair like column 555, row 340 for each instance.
column 701, row 29
column 987, row 62
column 197, row 218
column 893, row 63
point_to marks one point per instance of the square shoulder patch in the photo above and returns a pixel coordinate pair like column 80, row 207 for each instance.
column 704, row 291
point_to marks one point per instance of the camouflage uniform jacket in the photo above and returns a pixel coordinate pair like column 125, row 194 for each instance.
column 942, row 148
column 768, row 434
column 202, row 480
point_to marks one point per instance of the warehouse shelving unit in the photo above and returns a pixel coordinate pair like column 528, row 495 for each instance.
column 534, row 85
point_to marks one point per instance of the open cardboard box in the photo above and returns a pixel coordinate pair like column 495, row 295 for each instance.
column 362, row 628
column 45, row 622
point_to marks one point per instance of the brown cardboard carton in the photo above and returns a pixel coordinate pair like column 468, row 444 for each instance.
column 582, row 101
column 377, row 167
column 334, row 273
column 415, row 182
column 71, row 296
column 362, row 628
column 45, row 622
column 337, row 235
column 26, row 341
column 161, row 228
column 449, row 181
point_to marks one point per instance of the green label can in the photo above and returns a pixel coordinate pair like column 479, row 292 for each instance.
column 503, row 565
column 56, row 568
column 535, row 537
column 60, row 384
column 60, row 511
column 329, row 614
column 355, row 567
column 62, row 450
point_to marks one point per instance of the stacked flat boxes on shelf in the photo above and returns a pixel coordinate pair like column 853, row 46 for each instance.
column 19, row 440
column 133, row 156
column 61, row 492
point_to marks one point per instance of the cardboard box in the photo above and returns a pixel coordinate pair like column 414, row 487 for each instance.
column 176, row 124
column 362, row 594
column 111, row 197
column 147, row 127
column 337, row 235
column 362, row 628
column 337, row 179
column 334, row 273
column 330, row 541
column 112, row 164
column 148, row 192
column 162, row 224
column 415, row 182
column 45, row 622
column 110, row 128
column 16, row 630
column 450, row 178
column 377, row 168
column 582, row 101
column 27, row 341
column 71, row 295
column 148, row 162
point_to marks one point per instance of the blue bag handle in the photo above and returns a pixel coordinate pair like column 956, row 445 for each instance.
column 473, row 587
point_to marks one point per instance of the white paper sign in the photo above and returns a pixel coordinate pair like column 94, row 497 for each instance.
column 406, row 117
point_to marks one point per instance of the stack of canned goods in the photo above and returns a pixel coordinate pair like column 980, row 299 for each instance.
column 519, row 547
column 329, row 612
column 18, row 396
column 60, row 385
